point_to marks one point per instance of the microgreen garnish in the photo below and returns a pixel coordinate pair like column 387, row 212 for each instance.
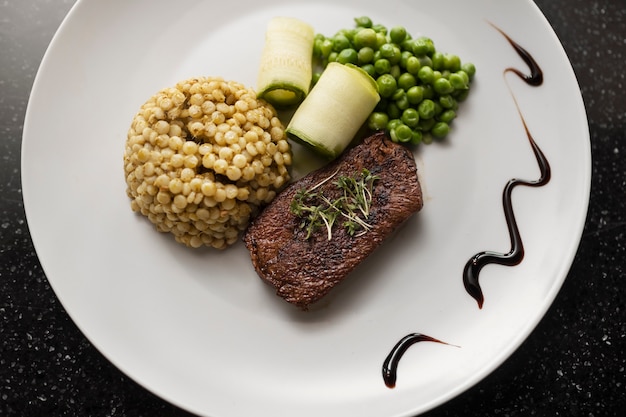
column 353, row 205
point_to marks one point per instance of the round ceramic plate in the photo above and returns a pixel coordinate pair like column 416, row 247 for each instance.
column 198, row 327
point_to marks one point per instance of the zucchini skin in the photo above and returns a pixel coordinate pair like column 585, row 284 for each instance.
column 335, row 109
column 286, row 68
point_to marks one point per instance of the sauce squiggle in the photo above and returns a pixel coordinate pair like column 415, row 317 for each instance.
column 473, row 266
column 390, row 366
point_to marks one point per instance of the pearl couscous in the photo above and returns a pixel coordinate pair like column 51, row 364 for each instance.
column 202, row 158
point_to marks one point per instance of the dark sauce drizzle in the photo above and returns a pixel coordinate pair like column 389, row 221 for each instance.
column 516, row 254
column 478, row 261
column 390, row 366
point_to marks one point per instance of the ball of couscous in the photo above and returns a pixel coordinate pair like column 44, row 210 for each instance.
column 202, row 158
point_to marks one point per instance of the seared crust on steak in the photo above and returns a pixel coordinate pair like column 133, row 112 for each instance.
column 304, row 270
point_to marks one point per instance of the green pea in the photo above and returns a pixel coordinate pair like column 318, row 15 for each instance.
column 452, row 62
column 393, row 111
column 404, row 57
column 420, row 47
column 415, row 94
column 365, row 55
column 428, row 91
column 463, row 76
column 386, row 50
column 402, row 101
column 426, row 124
column 315, row 77
column 410, row 117
column 395, row 71
column 447, row 116
column 377, row 121
column 365, row 37
column 381, row 39
column 397, row 55
column 317, row 43
column 407, row 44
column 448, row 102
column 382, row 29
column 332, row 57
column 348, row 33
column 397, row 34
column 382, row 66
column 425, row 61
column 426, row 109
column 386, row 85
column 401, row 133
column 457, row 81
column 443, row 86
column 406, row 81
column 369, row 68
column 326, row 47
column 340, row 42
column 427, row 139
column 348, row 56
column 426, row 74
column 416, row 137
column 431, row 46
column 413, row 65
column 398, row 94
column 440, row 129
column 437, row 59
column 469, row 69
column 363, row 21
column 461, row 95
column 392, row 124
column 438, row 108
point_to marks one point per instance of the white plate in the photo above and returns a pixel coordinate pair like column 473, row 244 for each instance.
column 198, row 328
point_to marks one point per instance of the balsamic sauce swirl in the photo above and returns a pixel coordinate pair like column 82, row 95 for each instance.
column 477, row 262
column 473, row 266
column 535, row 78
column 390, row 366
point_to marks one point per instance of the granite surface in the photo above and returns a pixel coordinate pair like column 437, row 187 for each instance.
column 571, row 365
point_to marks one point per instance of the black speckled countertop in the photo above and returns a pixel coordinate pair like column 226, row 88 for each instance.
column 571, row 365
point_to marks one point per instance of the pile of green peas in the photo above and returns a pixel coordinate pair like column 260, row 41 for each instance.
column 420, row 87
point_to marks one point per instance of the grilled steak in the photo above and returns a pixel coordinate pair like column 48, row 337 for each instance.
column 303, row 269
